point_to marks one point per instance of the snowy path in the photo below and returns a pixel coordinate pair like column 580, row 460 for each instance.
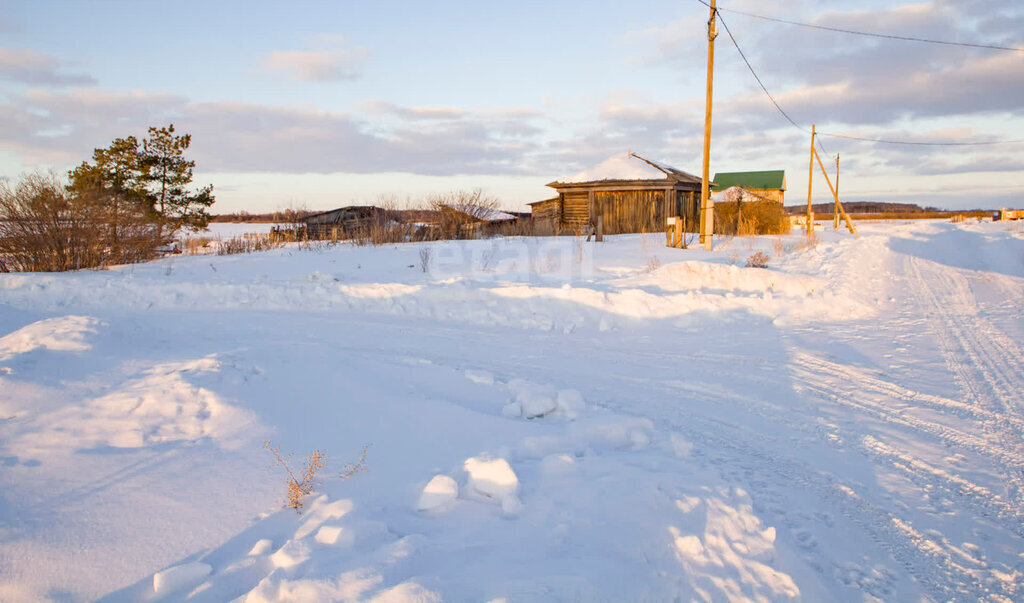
column 844, row 426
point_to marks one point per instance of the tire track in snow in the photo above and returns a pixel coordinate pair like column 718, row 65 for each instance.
column 856, row 398
column 987, row 365
column 935, row 569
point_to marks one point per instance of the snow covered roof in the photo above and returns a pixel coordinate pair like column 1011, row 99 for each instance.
column 734, row 193
column 628, row 166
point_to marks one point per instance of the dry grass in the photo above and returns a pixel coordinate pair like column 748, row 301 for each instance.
column 249, row 244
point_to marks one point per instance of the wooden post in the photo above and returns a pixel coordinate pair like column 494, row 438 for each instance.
column 678, row 242
column 600, row 229
column 835, row 211
column 810, row 181
column 835, row 194
column 707, row 205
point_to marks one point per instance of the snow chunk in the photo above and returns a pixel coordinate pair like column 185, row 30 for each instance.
column 534, row 400
column 179, row 576
column 491, row 478
column 335, row 535
column 439, row 493
column 291, row 554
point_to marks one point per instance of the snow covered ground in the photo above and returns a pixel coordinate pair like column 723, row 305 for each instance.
column 547, row 419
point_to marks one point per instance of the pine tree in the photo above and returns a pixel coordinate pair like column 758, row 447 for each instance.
column 166, row 174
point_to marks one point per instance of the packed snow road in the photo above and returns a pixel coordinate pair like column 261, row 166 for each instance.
column 547, row 420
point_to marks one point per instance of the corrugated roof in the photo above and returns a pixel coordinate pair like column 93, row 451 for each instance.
column 771, row 179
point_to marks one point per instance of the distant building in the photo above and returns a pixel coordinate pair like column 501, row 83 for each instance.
column 769, row 185
column 630, row 193
column 342, row 221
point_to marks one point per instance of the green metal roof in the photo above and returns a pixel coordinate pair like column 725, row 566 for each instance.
column 772, row 179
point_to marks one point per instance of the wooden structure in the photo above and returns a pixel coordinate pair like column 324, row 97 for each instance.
column 628, row 192
column 337, row 223
column 769, row 184
column 1008, row 214
column 832, row 189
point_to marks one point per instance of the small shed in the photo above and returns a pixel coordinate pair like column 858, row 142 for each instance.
column 467, row 221
column 630, row 192
column 770, row 184
column 342, row 220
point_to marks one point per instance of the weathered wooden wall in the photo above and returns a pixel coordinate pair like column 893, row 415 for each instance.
column 545, row 210
column 575, row 209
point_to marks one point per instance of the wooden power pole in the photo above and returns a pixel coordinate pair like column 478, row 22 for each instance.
column 707, row 205
column 835, row 210
column 810, row 181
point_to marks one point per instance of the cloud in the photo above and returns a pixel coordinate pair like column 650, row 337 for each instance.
column 63, row 128
column 824, row 76
column 33, row 68
column 324, row 65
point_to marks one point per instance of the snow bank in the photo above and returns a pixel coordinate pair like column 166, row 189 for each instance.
column 64, row 333
column 159, row 405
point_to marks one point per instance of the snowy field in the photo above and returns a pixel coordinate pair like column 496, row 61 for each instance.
column 547, row 419
column 228, row 230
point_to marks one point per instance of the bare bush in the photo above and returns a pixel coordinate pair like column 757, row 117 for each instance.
column 750, row 218
column 46, row 227
column 425, row 256
column 302, row 485
column 758, row 260
column 459, row 213
column 305, row 483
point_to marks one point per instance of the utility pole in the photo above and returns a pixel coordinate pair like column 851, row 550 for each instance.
column 810, row 180
column 835, row 211
column 707, row 205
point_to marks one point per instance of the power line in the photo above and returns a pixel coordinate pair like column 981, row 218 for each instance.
column 868, row 33
column 845, row 136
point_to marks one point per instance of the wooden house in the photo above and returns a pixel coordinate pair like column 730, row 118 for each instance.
column 629, row 192
column 340, row 222
column 469, row 221
column 769, row 184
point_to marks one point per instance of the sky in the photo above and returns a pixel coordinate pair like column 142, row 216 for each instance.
column 323, row 104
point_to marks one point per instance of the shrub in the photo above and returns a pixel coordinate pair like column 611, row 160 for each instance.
column 299, row 487
column 302, row 485
column 750, row 218
column 47, row 227
column 758, row 260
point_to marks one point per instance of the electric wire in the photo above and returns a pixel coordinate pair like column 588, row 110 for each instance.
column 831, row 134
column 866, row 33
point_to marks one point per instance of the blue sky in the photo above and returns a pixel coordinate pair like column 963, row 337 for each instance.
column 321, row 104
